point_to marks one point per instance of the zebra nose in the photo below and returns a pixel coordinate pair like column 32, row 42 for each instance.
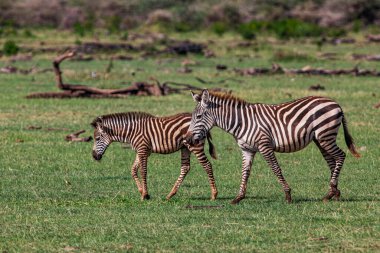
column 96, row 156
column 196, row 139
column 189, row 137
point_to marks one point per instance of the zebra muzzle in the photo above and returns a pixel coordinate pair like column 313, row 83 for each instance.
column 189, row 138
column 96, row 156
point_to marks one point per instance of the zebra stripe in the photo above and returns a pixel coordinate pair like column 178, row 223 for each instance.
column 149, row 134
column 265, row 128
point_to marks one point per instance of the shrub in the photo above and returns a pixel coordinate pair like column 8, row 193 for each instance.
column 113, row 24
column 28, row 34
column 293, row 28
column 188, row 20
column 124, row 36
column 335, row 32
column 79, row 29
column 10, row 48
column 247, row 31
column 219, row 28
column 78, row 42
column 232, row 14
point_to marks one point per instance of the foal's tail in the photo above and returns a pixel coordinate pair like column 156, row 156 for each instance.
column 211, row 146
column 349, row 140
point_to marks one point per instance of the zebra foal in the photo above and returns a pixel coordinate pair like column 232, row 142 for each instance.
column 149, row 134
column 266, row 129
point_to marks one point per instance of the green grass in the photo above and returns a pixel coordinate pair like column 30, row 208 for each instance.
column 55, row 198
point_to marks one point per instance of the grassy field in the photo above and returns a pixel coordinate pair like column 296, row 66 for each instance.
column 55, row 198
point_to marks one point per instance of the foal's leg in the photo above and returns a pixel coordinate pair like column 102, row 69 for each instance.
column 246, row 170
column 269, row 156
column 143, row 160
column 202, row 158
column 185, row 168
column 134, row 170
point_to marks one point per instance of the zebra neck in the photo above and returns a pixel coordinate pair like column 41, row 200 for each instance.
column 118, row 133
column 229, row 118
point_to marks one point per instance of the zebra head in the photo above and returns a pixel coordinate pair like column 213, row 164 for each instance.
column 201, row 120
column 101, row 139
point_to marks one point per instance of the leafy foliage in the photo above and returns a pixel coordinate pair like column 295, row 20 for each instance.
column 10, row 48
column 219, row 28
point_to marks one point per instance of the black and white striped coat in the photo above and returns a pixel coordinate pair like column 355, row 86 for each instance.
column 266, row 129
column 149, row 134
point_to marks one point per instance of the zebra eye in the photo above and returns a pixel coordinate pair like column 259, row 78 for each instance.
column 199, row 116
column 97, row 138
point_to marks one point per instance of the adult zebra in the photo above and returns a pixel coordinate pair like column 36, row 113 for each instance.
column 266, row 129
column 149, row 134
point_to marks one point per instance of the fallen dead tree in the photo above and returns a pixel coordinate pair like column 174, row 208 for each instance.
column 75, row 137
column 366, row 57
column 307, row 70
column 136, row 89
column 15, row 70
column 373, row 37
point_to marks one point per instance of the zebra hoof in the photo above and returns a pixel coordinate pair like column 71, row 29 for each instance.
column 169, row 196
column 214, row 195
column 327, row 198
column 288, row 197
column 337, row 195
column 145, row 197
column 236, row 201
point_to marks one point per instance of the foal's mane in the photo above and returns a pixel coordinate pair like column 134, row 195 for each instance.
column 127, row 115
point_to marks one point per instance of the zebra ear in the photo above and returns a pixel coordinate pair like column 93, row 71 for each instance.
column 196, row 97
column 205, row 98
column 97, row 121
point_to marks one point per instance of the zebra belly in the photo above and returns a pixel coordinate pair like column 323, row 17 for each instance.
column 166, row 147
column 293, row 141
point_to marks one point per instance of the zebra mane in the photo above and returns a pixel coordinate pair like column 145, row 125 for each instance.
column 228, row 96
column 126, row 115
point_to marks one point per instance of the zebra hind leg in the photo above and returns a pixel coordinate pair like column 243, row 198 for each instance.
column 185, row 168
column 334, row 151
column 269, row 156
column 143, row 160
column 331, row 163
column 134, row 171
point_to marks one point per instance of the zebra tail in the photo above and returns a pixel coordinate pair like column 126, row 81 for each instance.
column 349, row 140
column 211, row 147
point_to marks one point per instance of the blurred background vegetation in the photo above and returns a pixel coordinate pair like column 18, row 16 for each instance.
column 282, row 18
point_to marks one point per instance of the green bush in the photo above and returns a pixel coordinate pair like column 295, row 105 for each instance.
column 287, row 29
column 219, row 28
column 28, row 34
column 124, row 36
column 335, row 32
column 113, row 24
column 188, row 20
column 182, row 27
column 293, row 28
column 10, row 48
column 246, row 31
column 79, row 29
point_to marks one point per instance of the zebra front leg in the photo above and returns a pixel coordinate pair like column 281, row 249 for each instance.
column 269, row 156
column 202, row 158
column 143, row 160
column 185, row 168
column 134, row 170
column 246, row 170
